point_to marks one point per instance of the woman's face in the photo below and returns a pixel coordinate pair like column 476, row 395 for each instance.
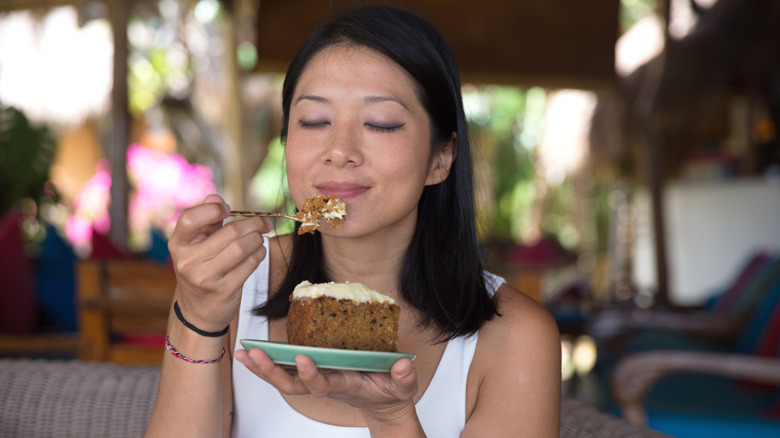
column 358, row 130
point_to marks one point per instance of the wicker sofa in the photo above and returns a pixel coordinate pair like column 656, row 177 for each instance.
column 45, row 398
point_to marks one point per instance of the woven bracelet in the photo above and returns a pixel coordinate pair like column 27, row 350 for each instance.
column 177, row 353
column 189, row 325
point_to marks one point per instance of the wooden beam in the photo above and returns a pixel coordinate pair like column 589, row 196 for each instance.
column 568, row 43
column 46, row 344
column 19, row 5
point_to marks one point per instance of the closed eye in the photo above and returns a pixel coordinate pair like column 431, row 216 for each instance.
column 307, row 124
column 384, row 128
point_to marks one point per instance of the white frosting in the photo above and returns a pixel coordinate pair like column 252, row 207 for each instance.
column 340, row 291
column 336, row 209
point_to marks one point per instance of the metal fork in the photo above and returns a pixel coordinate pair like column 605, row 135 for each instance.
column 240, row 213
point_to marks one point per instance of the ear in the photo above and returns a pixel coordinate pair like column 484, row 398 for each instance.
column 442, row 161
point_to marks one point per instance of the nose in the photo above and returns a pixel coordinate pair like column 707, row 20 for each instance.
column 343, row 147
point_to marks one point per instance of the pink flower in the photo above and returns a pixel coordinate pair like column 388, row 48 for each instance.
column 79, row 230
column 163, row 186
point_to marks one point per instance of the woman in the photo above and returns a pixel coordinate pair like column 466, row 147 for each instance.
column 372, row 113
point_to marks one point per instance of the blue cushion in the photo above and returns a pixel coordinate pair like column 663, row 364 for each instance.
column 56, row 280
column 761, row 321
column 751, row 299
column 698, row 405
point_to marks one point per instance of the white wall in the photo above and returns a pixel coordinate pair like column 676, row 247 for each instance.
column 711, row 227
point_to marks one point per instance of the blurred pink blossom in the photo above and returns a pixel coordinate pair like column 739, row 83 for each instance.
column 79, row 230
column 162, row 185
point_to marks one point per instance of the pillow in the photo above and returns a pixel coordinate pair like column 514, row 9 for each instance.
column 757, row 289
column 762, row 331
column 768, row 342
column 18, row 304
column 725, row 302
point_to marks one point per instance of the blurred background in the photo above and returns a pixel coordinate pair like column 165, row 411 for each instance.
column 627, row 173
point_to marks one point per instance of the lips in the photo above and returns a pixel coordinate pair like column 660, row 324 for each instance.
column 343, row 190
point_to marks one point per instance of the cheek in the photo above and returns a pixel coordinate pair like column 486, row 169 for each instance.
column 296, row 165
column 410, row 163
column 299, row 151
column 406, row 175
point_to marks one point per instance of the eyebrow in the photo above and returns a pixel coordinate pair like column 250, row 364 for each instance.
column 379, row 99
column 367, row 99
column 310, row 97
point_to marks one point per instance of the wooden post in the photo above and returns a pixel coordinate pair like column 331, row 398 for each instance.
column 233, row 168
column 654, row 158
column 120, row 127
column 93, row 326
column 654, row 144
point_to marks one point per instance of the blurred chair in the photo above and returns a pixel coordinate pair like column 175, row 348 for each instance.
column 712, row 371
column 123, row 307
column 734, row 321
column 706, row 394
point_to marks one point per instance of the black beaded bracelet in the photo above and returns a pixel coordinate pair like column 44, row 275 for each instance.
column 189, row 325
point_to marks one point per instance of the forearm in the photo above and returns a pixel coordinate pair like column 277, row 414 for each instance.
column 189, row 397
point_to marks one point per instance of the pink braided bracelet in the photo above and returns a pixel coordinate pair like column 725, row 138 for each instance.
column 177, row 353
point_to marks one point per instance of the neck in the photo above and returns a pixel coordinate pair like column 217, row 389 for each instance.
column 375, row 260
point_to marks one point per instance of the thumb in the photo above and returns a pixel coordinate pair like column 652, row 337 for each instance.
column 216, row 199
column 404, row 375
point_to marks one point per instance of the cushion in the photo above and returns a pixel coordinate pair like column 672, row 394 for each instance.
column 758, row 288
column 768, row 342
column 56, row 282
column 18, row 304
column 759, row 331
column 724, row 303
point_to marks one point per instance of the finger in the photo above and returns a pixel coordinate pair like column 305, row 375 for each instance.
column 404, row 375
column 308, row 373
column 236, row 250
column 216, row 199
column 240, row 260
column 225, row 271
column 228, row 237
column 198, row 222
column 230, row 232
column 261, row 365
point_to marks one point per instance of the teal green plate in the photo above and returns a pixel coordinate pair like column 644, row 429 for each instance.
column 283, row 353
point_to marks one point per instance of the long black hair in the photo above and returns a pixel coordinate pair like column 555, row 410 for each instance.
column 442, row 274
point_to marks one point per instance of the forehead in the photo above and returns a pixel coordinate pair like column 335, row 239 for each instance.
column 359, row 64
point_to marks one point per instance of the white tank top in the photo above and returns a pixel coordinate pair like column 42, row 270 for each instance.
column 260, row 411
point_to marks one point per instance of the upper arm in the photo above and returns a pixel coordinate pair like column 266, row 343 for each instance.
column 517, row 372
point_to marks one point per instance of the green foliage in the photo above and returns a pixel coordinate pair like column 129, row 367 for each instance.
column 558, row 219
column 269, row 186
column 601, row 194
column 159, row 63
column 632, row 11
column 505, row 123
column 151, row 73
column 26, row 154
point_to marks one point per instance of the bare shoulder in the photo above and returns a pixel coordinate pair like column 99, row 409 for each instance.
column 524, row 329
column 516, row 371
column 523, row 317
